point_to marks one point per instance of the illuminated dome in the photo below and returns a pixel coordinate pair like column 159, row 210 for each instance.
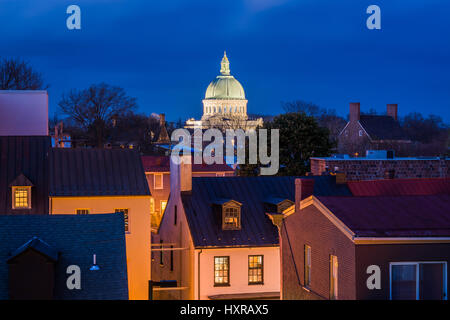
column 225, row 86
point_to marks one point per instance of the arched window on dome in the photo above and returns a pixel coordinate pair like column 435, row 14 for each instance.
column 225, row 109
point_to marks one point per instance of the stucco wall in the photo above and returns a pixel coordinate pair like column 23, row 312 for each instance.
column 137, row 239
column 239, row 271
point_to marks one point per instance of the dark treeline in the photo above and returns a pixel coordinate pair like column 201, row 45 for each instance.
column 430, row 135
column 104, row 115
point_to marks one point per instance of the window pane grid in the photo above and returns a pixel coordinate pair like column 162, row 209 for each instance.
column 125, row 217
column 221, row 270
column 21, row 198
column 255, row 269
column 231, row 218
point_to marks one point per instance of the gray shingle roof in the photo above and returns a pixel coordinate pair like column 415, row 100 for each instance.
column 381, row 127
column 76, row 238
column 252, row 192
column 96, row 172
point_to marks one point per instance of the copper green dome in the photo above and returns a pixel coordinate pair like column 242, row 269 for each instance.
column 225, row 86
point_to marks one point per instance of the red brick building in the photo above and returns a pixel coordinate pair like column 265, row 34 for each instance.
column 157, row 171
column 372, row 132
column 331, row 246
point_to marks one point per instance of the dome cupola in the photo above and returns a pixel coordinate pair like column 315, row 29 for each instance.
column 225, row 86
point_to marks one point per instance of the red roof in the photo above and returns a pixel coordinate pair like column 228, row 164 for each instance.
column 397, row 216
column 162, row 164
column 400, row 187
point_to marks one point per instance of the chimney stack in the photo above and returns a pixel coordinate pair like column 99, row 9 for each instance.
column 162, row 119
column 354, row 111
column 303, row 189
column 180, row 174
column 392, row 110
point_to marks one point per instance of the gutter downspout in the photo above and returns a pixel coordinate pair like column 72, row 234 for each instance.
column 198, row 269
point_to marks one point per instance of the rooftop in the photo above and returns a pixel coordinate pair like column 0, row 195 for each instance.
column 162, row 164
column 96, row 172
column 393, row 216
column 75, row 238
column 252, row 193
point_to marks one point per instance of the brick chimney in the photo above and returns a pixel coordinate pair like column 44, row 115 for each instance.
column 392, row 110
column 355, row 111
column 181, row 174
column 303, row 189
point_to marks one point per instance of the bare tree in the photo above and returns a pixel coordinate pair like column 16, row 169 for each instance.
column 19, row 75
column 94, row 108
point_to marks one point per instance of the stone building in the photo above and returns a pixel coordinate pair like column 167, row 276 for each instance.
column 225, row 105
column 382, row 164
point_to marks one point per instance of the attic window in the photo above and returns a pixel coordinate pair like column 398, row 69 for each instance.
column 21, row 197
column 231, row 217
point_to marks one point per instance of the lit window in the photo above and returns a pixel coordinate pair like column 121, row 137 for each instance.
column 220, row 174
column 163, row 206
column 82, row 211
column 307, row 266
column 255, row 269
column 158, row 181
column 231, row 218
column 21, row 197
column 152, row 205
column 360, row 133
column 221, row 271
column 125, row 218
column 333, row 277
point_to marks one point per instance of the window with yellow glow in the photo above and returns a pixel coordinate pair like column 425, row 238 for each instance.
column 231, row 218
column 255, row 269
column 21, row 197
column 333, row 277
column 221, row 271
column 163, row 206
column 125, row 217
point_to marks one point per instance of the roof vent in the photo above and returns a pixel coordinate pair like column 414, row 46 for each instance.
column 94, row 267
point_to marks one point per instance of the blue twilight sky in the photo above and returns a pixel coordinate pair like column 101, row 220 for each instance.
column 165, row 52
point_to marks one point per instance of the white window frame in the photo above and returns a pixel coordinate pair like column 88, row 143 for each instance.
column 162, row 181
column 417, row 264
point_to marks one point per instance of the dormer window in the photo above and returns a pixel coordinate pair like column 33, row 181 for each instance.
column 231, row 218
column 231, row 214
column 21, row 197
column 277, row 205
column 21, row 192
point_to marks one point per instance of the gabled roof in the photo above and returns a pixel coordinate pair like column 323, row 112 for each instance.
column 382, row 127
column 162, row 164
column 38, row 245
column 96, row 172
column 76, row 238
column 398, row 216
column 21, row 180
column 398, row 187
column 25, row 156
column 252, row 192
